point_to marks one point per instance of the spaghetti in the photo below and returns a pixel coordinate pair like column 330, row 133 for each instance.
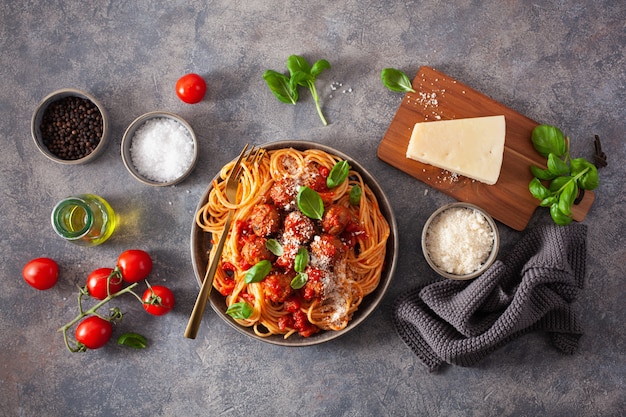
column 345, row 249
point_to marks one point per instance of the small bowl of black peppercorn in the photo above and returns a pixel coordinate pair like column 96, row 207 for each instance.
column 70, row 127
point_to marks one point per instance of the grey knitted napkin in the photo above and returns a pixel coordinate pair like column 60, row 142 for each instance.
column 461, row 322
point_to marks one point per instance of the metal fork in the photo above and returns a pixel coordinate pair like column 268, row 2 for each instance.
column 232, row 184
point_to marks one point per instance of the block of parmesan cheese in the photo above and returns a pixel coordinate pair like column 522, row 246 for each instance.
column 472, row 147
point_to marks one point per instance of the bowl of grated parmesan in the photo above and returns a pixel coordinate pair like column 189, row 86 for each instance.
column 460, row 241
column 159, row 149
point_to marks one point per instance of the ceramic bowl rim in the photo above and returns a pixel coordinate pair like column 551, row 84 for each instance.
column 127, row 142
column 492, row 255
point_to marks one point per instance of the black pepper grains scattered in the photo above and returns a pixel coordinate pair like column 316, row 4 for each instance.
column 71, row 127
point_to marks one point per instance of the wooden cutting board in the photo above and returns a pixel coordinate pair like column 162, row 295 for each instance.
column 440, row 97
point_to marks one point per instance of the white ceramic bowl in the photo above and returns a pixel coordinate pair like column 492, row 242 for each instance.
column 490, row 258
column 127, row 142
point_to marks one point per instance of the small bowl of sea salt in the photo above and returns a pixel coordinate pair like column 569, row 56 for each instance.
column 159, row 149
column 460, row 241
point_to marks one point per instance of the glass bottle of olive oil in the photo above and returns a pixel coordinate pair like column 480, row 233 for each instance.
column 85, row 219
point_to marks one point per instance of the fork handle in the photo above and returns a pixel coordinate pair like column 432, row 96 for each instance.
column 207, row 284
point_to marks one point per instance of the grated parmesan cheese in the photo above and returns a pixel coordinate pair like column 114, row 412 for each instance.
column 162, row 149
column 459, row 240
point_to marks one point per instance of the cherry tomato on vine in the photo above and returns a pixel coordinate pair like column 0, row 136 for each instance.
column 94, row 332
column 158, row 300
column 135, row 265
column 97, row 283
column 41, row 273
column 191, row 88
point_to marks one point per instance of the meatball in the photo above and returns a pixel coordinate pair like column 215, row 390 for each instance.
column 265, row 220
column 314, row 288
column 298, row 228
column 254, row 250
column 283, row 193
column 315, row 177
column 335, row 219
column 287, row 259
column 327, row 248
column 277, row 286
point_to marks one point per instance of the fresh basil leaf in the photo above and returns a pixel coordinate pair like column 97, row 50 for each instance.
column 241, row 310
column 338, row 174
column 258, row 271
column 578, row 165
column 558, row 183
column 587, row 172
column 538, row 190
column 567, row 197
column 319, row 66
column 296, row 63
column 133, row 340
column 275, row 247
column 299, row 280
column 396, row 80
column 547, row 202
column 590, row 180
column 301, row 260
column 281, row 87
column 558, row 217
column 355, row 195
column 302, row 78
column 542, row 174
column 310, row 203
column 549, row 139
column 557, row 166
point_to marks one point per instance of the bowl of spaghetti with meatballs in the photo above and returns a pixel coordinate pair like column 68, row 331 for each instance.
column 311, row 248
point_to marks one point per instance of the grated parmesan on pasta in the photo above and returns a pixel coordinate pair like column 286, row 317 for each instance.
column 459, row 240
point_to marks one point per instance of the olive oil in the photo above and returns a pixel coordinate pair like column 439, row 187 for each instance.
column 85, row 219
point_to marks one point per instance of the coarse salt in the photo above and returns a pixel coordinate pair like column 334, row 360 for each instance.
column 459, row 240
column 162, row 149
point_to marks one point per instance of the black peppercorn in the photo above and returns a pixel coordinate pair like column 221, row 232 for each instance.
column 71, row 127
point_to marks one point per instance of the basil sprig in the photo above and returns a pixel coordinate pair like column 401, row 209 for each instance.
column 301, row 74
column 310, row 203
column 240, row 310
column 566, row 176
column 258, row 271
column 396, row 80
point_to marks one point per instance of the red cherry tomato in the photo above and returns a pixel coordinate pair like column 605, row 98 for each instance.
column 191, row 88
column 41, row 273
column 94, row 332
column 97, row 283
column 135, row 265
column 158, row 300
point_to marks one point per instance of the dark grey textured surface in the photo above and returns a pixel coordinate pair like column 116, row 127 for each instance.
column 558, row 62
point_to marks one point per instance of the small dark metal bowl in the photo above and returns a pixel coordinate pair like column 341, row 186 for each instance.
column 38, row 117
